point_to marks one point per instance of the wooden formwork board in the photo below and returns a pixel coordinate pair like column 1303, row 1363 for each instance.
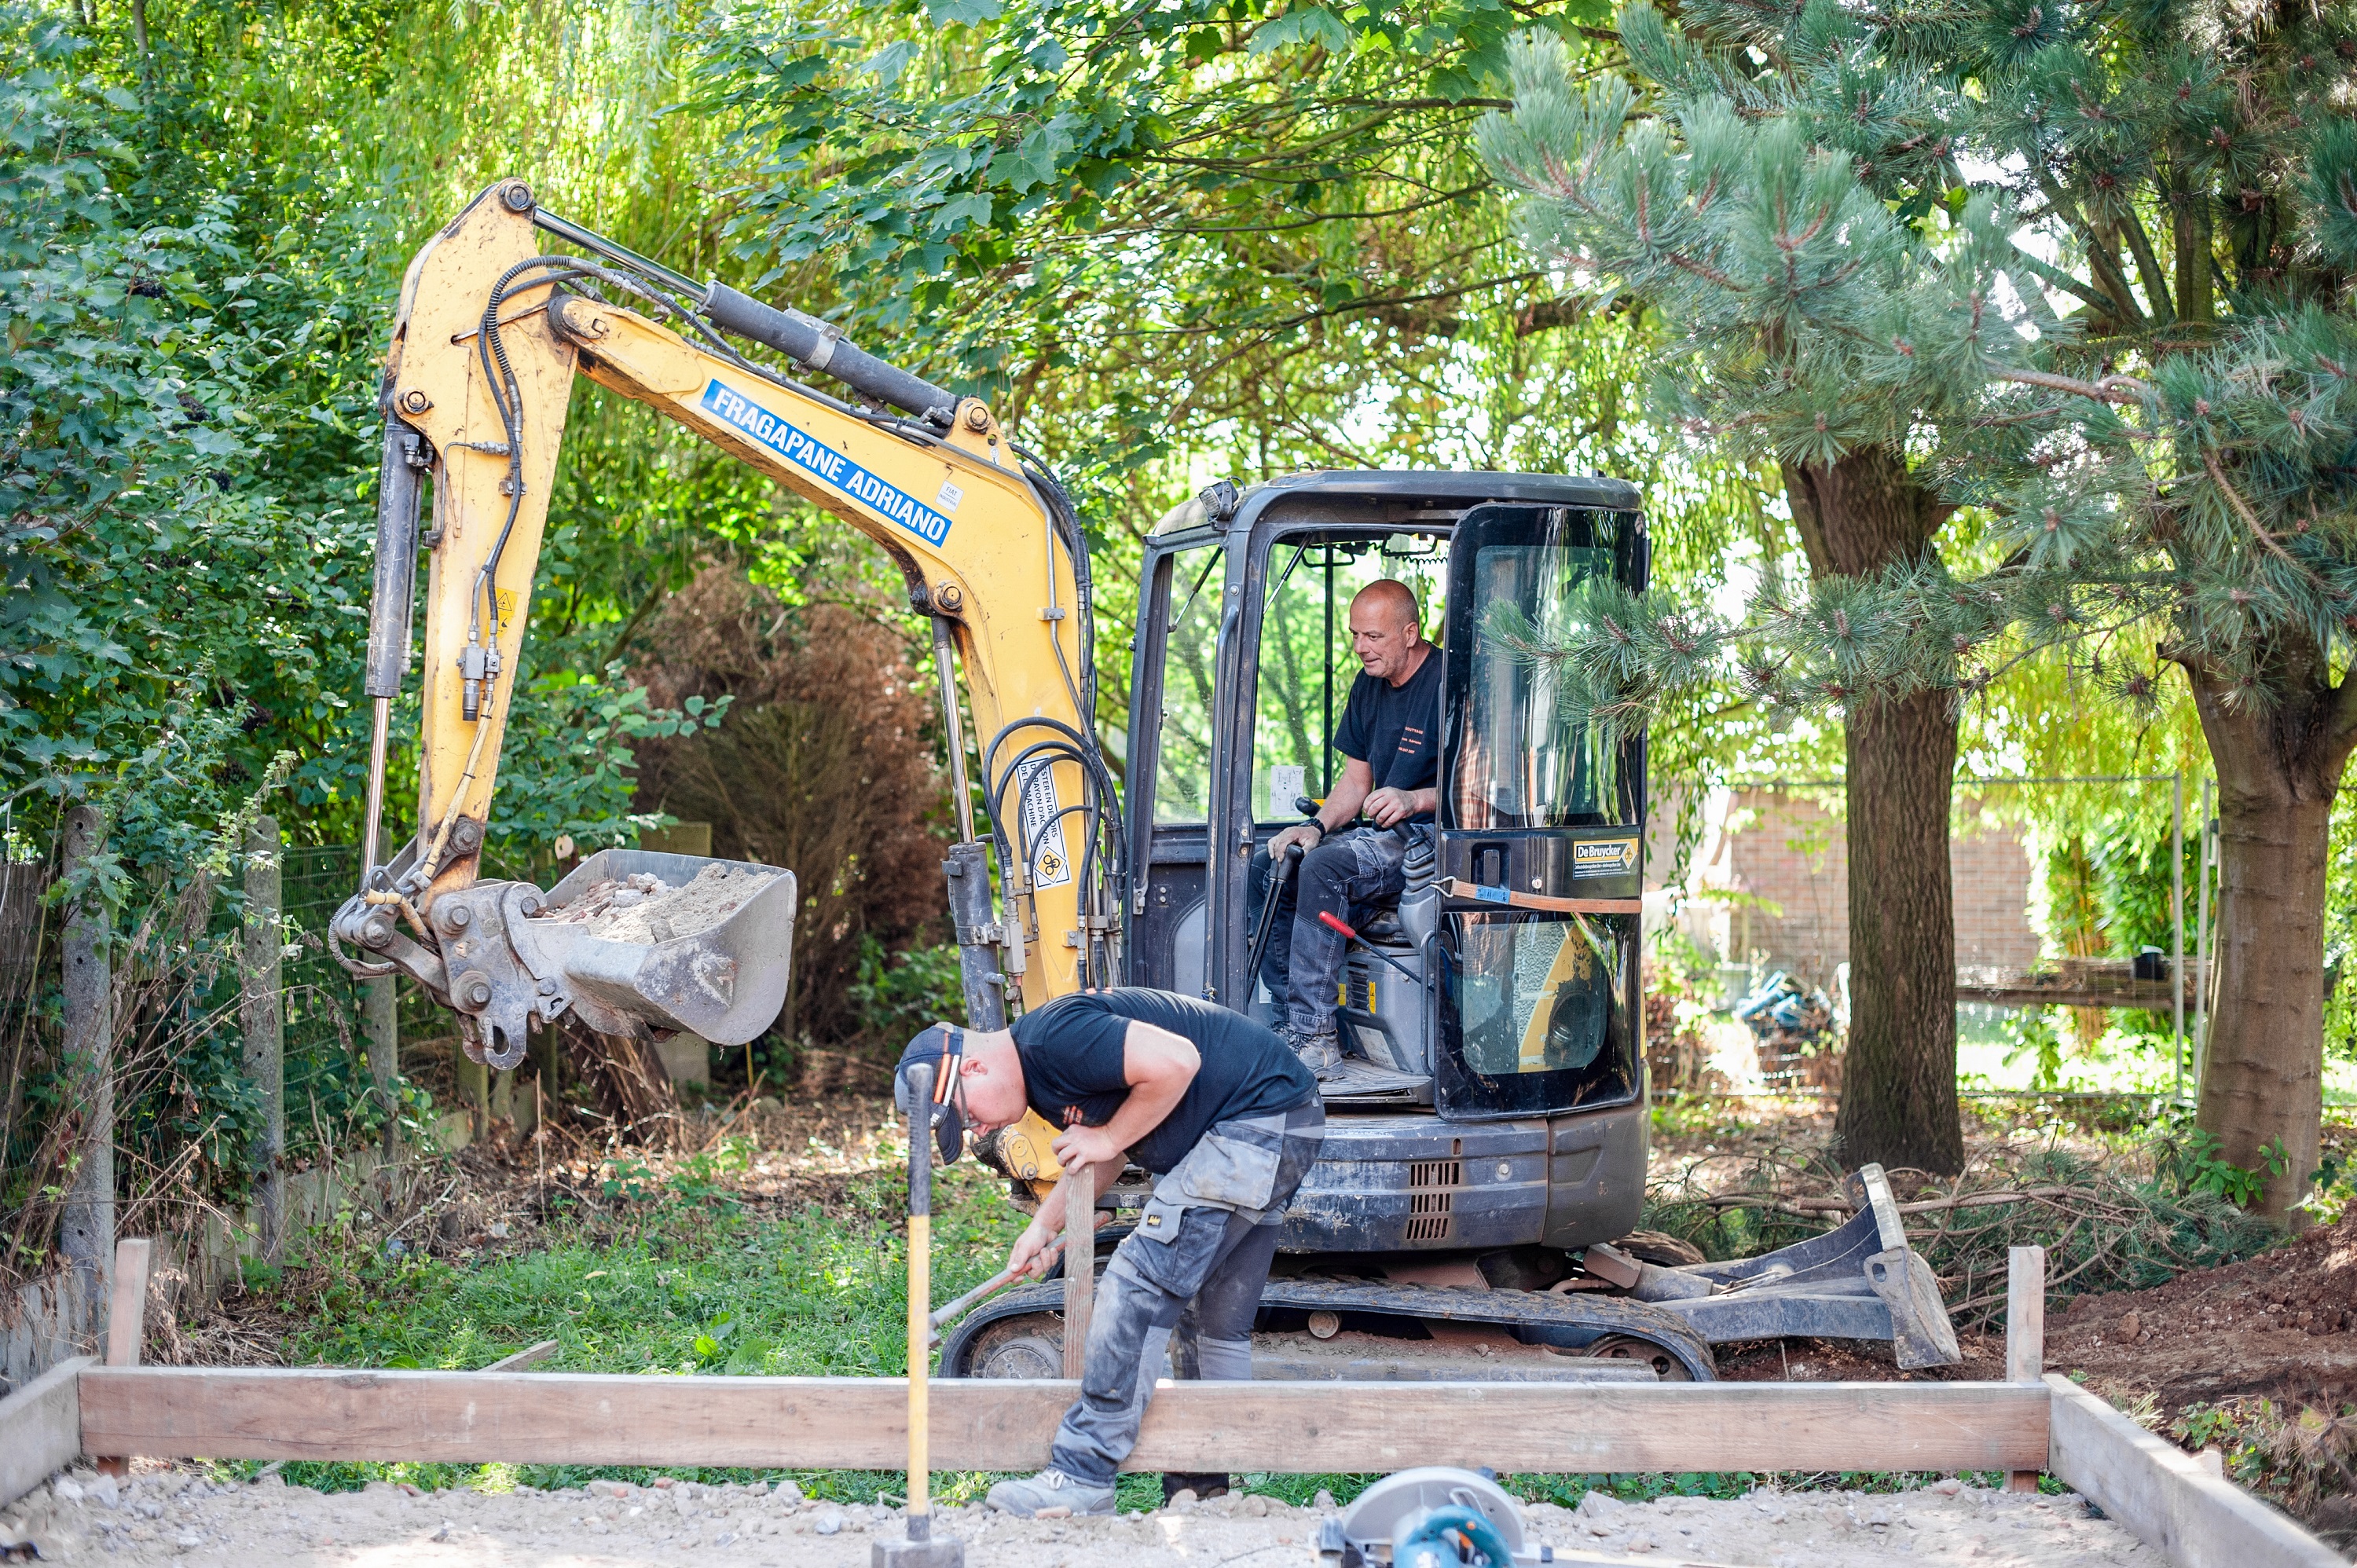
column 862, row 1422
column 2165, row 1497
column 40, row 1428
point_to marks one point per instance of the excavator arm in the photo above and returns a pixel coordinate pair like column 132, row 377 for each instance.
column 491, row 331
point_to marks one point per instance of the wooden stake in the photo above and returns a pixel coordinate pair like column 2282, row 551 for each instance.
column 263, row 1021
column 86, row 1219
column 126, row 1322
column 379, row 1015
column 1080, row 1264
column 2025, row 1332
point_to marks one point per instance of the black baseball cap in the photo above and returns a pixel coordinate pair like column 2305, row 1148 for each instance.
column 943, row 1046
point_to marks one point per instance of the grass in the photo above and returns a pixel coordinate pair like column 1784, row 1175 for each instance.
column 671, row 1271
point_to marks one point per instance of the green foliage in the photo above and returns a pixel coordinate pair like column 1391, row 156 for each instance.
column 2186, row 1159
column 898, row 993
column 1826, row 210
column 2033, row 1034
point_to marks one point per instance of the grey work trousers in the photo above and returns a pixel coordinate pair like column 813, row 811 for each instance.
column 1344, row 877
column 1216, row 1265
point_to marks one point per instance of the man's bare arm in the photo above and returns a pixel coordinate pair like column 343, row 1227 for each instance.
column 1158, row 1066
column 1048, row 1220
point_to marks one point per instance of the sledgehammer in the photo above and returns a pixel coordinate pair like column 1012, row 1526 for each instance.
column 989, row 1287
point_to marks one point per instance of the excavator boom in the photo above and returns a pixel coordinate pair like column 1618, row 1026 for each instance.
column 490, row 333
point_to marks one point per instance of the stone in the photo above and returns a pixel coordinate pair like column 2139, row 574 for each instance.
column 829, row 1524
column 1948, row 1488
column 1324, row 1499
column 788, row 1494
column 2131, row 1325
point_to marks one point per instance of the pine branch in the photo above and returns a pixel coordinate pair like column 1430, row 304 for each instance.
column 2250, row 519
column 2111, row 389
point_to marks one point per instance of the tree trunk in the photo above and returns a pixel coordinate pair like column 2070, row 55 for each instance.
column 2262, row 1089
column 1857, row 518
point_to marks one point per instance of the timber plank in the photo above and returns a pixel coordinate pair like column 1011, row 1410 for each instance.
column 40, row 1428
column 2165, row 1497
column 862, row 1422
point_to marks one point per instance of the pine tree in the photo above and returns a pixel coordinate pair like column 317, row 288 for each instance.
column 2081, row 269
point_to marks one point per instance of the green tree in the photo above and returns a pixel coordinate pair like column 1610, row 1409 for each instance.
column 1916, row 255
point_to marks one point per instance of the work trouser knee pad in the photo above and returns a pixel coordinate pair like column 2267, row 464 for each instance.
column 1224, row 1361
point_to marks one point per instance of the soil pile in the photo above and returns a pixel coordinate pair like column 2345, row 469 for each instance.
column 643, row 907
column 169, row 1514
column 2283, row 1325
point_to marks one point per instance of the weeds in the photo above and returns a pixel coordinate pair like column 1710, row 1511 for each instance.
column 2299, row 1456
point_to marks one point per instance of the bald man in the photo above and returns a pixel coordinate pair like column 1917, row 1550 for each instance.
column 1389, row 738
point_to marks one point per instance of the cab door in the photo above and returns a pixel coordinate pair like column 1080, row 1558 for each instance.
column 1541, row 1006
column 1182, row 631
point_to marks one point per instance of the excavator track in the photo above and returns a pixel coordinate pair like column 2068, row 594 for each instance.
column 1396, row 1333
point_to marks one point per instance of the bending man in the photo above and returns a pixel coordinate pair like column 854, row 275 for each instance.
column 1389, row 742
column 1228, row 1122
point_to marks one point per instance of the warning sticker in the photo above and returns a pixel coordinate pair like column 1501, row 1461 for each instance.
column 1043, row 838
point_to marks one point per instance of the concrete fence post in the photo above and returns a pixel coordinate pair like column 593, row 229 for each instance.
column 380, row 1022
column 86, row 1224
column 261, row 1016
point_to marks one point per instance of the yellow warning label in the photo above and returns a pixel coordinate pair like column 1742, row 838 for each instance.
column 506, row 599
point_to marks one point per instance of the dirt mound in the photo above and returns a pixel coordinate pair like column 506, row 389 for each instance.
column 2282, row 1325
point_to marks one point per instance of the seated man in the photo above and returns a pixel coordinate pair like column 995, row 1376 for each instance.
column 1215, row 1107
column 1389, row 738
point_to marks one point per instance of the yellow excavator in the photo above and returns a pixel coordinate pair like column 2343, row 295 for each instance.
column 1486, row 1147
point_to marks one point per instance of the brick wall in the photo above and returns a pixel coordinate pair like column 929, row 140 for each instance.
column 1788, row 852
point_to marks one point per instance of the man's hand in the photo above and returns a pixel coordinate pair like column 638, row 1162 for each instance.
column 1389, row 807
column 1086, row 1146
column 1309, row 835
column 1030, row 1255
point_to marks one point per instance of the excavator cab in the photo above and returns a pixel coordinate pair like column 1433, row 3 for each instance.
column 1492, row 1034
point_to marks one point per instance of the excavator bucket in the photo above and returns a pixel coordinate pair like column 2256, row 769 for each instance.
column 633, row 941
column 669, row 941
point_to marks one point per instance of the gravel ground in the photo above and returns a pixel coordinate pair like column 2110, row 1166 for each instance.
column 171, row 1515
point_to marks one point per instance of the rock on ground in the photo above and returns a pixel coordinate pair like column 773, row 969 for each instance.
column 174, row 1515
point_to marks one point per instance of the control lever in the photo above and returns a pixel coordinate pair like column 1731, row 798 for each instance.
column 1278, row 876
column 1335, row 922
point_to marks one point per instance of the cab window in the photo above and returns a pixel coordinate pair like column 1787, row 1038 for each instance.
column 1305, row 663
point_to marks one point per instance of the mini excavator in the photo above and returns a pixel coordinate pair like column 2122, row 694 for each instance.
column 1471, row 1213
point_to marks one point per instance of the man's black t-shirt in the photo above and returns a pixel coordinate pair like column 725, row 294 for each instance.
column 1072, row 1051
column 1395, row 729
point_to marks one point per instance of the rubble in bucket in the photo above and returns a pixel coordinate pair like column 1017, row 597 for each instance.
column 643, row 907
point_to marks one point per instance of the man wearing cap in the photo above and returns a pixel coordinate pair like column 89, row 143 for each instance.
column 1226, row 1119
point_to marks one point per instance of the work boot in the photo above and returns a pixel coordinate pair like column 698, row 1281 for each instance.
column 1321, row 1054
column 1204, row 1487
column 1051, row 1488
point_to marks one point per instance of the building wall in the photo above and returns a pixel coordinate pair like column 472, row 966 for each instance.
column 1781, row 862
